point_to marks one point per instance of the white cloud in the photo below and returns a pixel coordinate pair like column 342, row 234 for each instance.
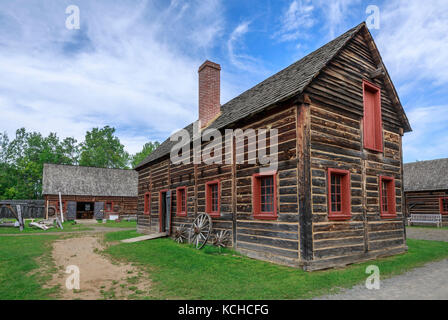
column 235, row 44
column 413, row 41
column 295, row 20
column 130, row 66
column 429, row 138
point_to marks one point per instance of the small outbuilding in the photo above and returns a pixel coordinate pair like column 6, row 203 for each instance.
column 89, row 192
column 426, row 187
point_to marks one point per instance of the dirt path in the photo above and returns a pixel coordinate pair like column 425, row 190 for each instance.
column 435, row 234
column 100, row 278
column 94, row 230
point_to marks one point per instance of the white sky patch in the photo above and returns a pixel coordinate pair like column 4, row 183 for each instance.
column 429, row 138
column 413, row 41
column 122, row 68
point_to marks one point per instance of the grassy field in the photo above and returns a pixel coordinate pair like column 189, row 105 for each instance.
column 181, row 272
column 68, row 227
column 25, row 266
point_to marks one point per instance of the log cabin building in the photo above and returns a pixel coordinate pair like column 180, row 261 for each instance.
column 88, row 192
column 335, row 197
column 426, row 187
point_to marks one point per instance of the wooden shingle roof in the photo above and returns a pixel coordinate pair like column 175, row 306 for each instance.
column 89, row 181
column 426, row 175
column 281, row 86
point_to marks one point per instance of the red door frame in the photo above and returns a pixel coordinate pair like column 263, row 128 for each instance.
column 160, row 207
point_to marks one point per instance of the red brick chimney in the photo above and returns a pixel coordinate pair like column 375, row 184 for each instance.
column 209, row 92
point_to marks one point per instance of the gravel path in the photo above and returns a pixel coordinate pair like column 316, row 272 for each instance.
column 427, row 234
column 429, row 282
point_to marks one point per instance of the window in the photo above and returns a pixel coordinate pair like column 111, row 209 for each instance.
column 339, row 205
column 181, row 201
column 109, row 206
column 212, row 195
column 147, row 203
column 373, row 132
column 387, row 197
column 64, row 206
column 444, row 205
column 264, row 195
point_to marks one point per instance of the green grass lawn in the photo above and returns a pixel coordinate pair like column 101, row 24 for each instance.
column 181, row 272
column 68, row 227
column 121, row 224
column 25, row 266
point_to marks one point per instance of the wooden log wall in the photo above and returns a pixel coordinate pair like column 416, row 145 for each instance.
column 425, row 202
column 337, row 142
column 273, row 240
column 324, row 131
column 121, row 205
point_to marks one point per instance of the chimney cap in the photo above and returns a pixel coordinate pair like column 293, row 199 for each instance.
column 211, row 64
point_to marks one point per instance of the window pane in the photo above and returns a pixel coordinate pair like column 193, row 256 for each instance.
column 336, row 193
column 267, row 194
column 384, row 196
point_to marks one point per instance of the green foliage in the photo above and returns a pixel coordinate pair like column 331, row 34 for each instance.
column 103, row 149
column 181, row 272
column 22, row 159
column 148, row 148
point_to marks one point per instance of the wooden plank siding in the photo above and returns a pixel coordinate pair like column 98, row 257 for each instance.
column 425, row 202
column 122, row 205
column 337, row 142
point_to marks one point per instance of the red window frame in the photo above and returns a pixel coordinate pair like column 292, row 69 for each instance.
column 64, row 206
column 111, row 206
column 389, row 209
column 344, row 195
column 257, row 190
column 146, row 202
column 209, row 198
column 179, row 211
column 441, row 205
column 372, row 121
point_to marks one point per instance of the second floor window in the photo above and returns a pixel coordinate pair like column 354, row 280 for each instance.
column 373, row 129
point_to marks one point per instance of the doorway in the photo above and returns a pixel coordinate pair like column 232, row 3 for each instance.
column 165, row 211
column 84, row 210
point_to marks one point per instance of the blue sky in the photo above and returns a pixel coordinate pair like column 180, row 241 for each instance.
column 133, row 64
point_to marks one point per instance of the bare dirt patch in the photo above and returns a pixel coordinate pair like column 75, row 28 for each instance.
column 100, row 278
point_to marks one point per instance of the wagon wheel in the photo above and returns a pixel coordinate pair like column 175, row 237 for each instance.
column 200, row 230
column 180, row 234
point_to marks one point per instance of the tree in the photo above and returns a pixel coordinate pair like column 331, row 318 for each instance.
column 148, row 148
column 22, row 161
column 103, row 149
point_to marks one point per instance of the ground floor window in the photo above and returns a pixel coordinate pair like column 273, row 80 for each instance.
column 339, row 206
column 264, row 195
column 213, row 195
column 387, row 197
column 181, row 201
column 109, row 206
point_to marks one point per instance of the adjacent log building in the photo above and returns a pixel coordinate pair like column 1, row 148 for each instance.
column 426, row 187
column 88, row 192
column 336, row 195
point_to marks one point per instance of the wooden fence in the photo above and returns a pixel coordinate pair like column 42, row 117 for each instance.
column 30, row 208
